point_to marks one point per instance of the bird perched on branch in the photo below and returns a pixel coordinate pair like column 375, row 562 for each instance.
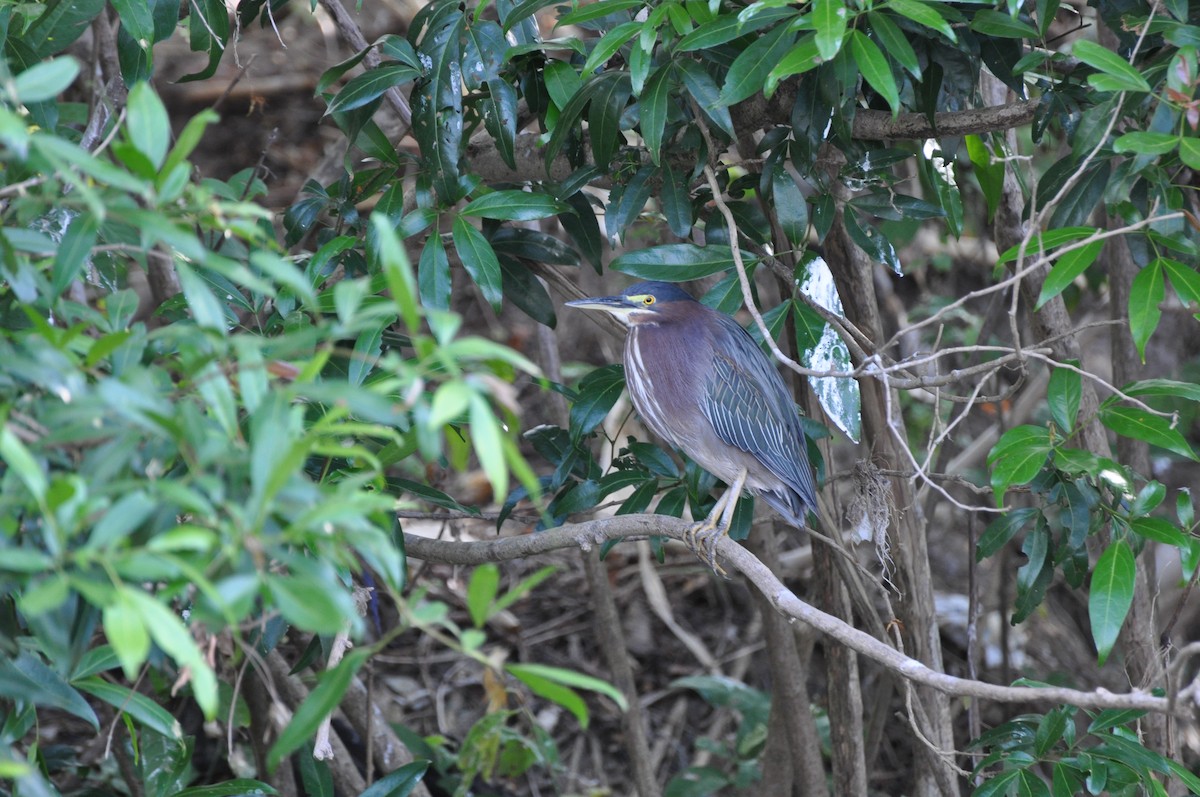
column 701, row 383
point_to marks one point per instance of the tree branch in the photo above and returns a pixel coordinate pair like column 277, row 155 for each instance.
column 595, row 532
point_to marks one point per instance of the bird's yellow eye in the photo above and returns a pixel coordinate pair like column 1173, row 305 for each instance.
column 647, row 300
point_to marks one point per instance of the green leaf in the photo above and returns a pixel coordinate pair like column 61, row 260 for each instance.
column 434, row 279
column 1066, row 268
column 705, row 92
column 604, row 117
column 1145, row 296
column 1189, row 152
column 1003, row 529
column 1142, row 142
column 369, row 86
column 553, row 691
column 21, row 461
column 923, row 14
column 677, row 262
column 608, row 45
column 318, row 705
column 791, row 209
column 513, row 205
column 170, row 634
column 1046, row 242
column 74, row 250
column 996, row 23
column 829, row 19
column 532, row 674
column 399, row 782
column 1110, row 596
column 500, row 117
column 874, row 67
column 479, row 259
column 1017, row 457
column 801, row 58
column 487, row 440
column 44, row 81
column 148, row 125
column 998, row 785
column 1184, row 280
column 303, row 606
column 127, row 634
column 1034, row 576
column 1116, row 73
column 749, row 70
column 1160, row 530
column 1064, row 393
column 58, row 25
column 586, row 13
column 143, row 710
column 895, row 42
column 676, row 202
column 481, row 592
column 653, row 104
column 1141, row 425
column 230, row 788
column 598, row 392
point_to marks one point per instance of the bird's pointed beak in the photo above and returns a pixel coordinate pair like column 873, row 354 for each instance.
column 610, row 304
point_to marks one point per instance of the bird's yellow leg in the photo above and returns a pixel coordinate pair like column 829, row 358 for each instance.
column 709, row 531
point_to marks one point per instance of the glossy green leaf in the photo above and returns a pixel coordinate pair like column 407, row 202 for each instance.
column 923, row 14
column 513, row 205
column 479, row 260
column 572, row 679
column 598, row 392
column 399, row 782
column 603, row 8
column 676, row 202
column 608, row 45
column 749, row 70
column 874, row 68
column 500, row 117
column 74, row 250
column 1066, row 268
column 1146, row 294
column 170, row 634
column 306, row 608
column 1141, row 425
column 1047, row 242
column 433, row 274
column 604, row 117
column 1189, row 152
column 59, row 23
column 487, row 441
column 369, row 86
column 1116, row 73
column 653, row 104
column 1017, row 457
column 1110, row 596
column 706, row 93
column 895, row 42
column 801, row 58
column 1184, row 280
column 997, row 23
column 1159, row 530
column 1063, row 395
column 230, row 788
column 1034, row 576
column 1144, row 142
column 829, row 20
column 791, row 208
column 143, row 710
column 676, row 262
column 1003, row 529
column 321, row 702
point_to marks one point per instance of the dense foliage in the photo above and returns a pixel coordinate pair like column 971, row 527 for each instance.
column 193, row 471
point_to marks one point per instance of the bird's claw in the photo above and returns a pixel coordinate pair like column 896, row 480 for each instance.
column 702, row 540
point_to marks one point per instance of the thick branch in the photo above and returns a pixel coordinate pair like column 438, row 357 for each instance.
column 596, row 532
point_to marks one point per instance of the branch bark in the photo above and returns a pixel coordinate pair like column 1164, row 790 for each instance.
column 589, row 534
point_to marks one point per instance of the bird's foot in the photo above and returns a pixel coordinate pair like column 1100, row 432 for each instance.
column 702, row 539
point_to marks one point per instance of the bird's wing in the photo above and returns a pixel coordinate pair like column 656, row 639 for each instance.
column 747, row 404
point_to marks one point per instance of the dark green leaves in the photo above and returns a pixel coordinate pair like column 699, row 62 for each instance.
column 510, row 205
column 677, row 262
column 370, row 86
column 1017, row 457
column 1111, row 595
column 1142, row 425
column 479, row 259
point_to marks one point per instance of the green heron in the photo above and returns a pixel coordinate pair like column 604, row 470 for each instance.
column 701, row 383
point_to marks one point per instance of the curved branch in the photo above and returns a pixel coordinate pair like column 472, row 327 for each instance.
column 595, row 532
column 880, row 124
